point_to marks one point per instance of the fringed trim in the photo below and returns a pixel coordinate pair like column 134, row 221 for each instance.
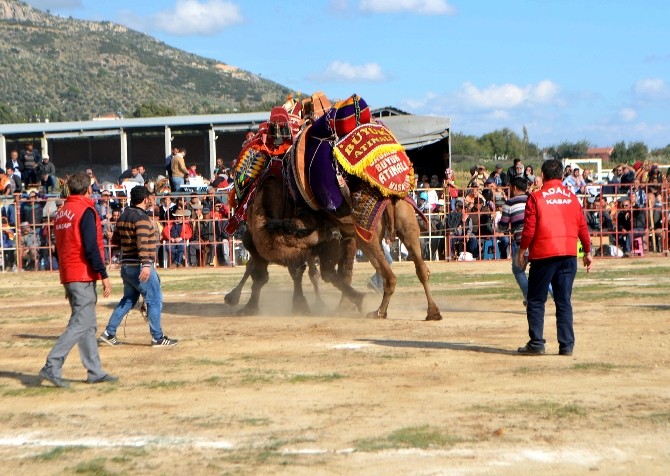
column 359, row 171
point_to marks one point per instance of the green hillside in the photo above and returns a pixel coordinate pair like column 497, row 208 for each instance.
column 67, row 69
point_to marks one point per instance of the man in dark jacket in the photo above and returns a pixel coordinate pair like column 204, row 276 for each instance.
column 30, row 158
column 46, row 173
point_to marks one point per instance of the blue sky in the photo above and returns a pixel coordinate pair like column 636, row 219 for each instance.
column 567, row 70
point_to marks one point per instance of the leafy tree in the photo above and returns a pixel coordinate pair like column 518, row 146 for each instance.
column 466, row 145
column 569, row 150
column 503, row 143
column 153, row 110
column 638, row 151
column 619, row 152
column 7, row 116
column 662, row 154
column 630, row 154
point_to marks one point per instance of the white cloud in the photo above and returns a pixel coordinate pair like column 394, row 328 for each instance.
column 508, row 96
column 424, row 7
column 194, row 17
column 627, row 114
column 652, row 88
column 338, row 5
column 343, row 71
column 55, row 4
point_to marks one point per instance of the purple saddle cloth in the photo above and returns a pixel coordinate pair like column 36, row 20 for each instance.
column 320, row 167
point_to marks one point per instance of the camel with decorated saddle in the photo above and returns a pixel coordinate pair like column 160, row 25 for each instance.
column 352, row 168
column 345, row 170
column 278, row 229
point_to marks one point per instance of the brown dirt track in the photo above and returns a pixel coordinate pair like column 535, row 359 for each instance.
column 335, row 393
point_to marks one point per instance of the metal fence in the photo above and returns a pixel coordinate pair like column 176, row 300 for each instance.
column 28, row 241
column 624, row 220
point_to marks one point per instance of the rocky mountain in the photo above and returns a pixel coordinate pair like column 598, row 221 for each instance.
column 67, row 69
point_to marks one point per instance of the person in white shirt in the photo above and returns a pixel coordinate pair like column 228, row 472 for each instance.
column 575, row 182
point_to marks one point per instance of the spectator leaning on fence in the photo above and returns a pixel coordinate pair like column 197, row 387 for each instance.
column 553, row 222
column 452, row 188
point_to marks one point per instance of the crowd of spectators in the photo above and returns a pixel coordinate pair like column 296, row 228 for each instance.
column 626, row 215
column 190, row 230
column 25, row 169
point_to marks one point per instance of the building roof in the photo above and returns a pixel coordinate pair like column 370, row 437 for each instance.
column 238, row 121
column 600, row 150
column 418, row 131
column 411, row 131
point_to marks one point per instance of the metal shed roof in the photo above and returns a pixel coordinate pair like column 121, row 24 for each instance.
column 411, row 131
column 238, row 121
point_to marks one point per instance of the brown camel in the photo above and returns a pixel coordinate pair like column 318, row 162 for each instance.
column 280, row 233
column 278, row 230
column 351, row 168
column 399, row 219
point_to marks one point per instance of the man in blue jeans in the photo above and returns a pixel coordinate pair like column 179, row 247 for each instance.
column 135, row 235
column 553, row 222
column 512, row 218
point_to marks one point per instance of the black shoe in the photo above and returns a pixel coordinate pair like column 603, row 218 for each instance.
column 57, row 381
column 164, row 341
column 566, row 352
column 530, row 350
column 107, row 339
column 103, row 379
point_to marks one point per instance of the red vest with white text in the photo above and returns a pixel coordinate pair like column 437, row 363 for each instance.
column 73, row 265
column 559, row 215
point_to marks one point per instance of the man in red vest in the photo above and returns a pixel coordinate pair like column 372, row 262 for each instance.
column 79, row 246
column 553, row 222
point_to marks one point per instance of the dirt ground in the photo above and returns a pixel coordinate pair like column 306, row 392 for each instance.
column 336, row 393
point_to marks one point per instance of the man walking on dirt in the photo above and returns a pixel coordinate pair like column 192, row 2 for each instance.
column 135, row 235
column 79, row 246
column 553, row 222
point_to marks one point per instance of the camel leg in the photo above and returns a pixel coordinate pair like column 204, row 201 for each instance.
column 300, row 305
column 408, row 231
column 314, row 275
column 375, row 254
column 345, row 252
column 257, row 268
column 233, row 297
column 259, row 277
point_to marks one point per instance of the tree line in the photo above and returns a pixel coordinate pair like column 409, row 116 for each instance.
column 505, row 144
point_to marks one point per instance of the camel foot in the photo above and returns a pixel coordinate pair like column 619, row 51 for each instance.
column 300, row 307
column 434, row 316
column 376, row 315
column 358, row 301
column 248, row 311
column 232, row 298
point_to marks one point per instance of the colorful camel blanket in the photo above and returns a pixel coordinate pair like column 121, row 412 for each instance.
column 368, row 205
column 372, row 153
column 250, row 164
column 252, row 179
